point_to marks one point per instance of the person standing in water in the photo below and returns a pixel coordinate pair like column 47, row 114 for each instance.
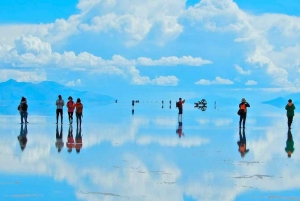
column 70, row 106
column 243, row 112
column 290, row 107
column 59, row 108
column 179, row 104
column 79, row 108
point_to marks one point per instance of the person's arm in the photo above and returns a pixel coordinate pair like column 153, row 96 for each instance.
column 247, row 104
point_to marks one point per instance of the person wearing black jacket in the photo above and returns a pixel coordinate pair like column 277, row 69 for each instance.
column 243, row 111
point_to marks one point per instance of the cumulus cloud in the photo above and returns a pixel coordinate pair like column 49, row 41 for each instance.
column 22, row 75
column 241, row 71
column 74, row 83
column 251, row 82
column 218, row 80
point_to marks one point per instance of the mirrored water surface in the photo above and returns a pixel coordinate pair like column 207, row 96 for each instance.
column 150, row 154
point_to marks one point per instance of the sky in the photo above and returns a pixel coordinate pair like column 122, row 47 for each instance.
column 176, row 45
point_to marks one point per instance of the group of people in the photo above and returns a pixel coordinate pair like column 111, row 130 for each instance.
column 71, row 105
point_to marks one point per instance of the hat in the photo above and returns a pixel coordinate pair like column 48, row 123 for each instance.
column 70, row 97
column 243, row 100
column 78, row 100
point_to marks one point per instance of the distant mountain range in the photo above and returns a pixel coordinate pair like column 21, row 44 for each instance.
column 281, row 102
column 41, row 97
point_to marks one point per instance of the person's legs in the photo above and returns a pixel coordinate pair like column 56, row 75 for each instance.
column 290, row 121
column 240, row 122
column 25, row 117
column 61, row 115
column 244, row 120
column 57, row 112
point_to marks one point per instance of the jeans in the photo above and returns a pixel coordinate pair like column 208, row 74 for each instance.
column 59, row 112
column 78, row 118
column 24, row 116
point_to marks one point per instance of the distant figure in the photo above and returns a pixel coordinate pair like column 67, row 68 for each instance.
column 290, row 107
column 116, row 101
column 179, row 130
column 289, row 149
column 71, row 107
column 79, row 109
column 59, row 108
column 59, row 138
column 132, row 103
column 22, row 138
column 243, row 111
column 132, row 111
column 179, row 104
column 78, row 140
column 242, row 144
column 215, row 104
column 23, row 110
column 70, row 140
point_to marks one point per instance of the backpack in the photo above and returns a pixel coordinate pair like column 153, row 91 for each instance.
column 24, row 106
column 243, row 107
column 177, row 104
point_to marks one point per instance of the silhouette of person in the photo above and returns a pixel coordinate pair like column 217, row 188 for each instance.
column 290, row 107
column 179, row 104
column 23, row 137
column 23, row 110
column 242, row 143
column 71, row 107
column 79, row 109
column 78, row 140
column 289, row 149
column 59, row 108
column 59, row 138
column 70, row 139
column 243, row 111
column 179, row 130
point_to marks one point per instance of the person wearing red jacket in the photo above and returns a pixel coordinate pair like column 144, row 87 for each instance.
column 71, row 107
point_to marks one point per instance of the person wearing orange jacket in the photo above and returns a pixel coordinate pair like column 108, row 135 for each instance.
column 79, row 108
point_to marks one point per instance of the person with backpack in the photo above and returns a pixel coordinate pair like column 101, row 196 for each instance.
column 70, row 106
column 243, row 111
column 179, row 105
column 290, row 107
column 23, row 110
column 59, row 108
column 79, row 108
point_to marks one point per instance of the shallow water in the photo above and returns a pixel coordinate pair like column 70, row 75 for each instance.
column 147, row 156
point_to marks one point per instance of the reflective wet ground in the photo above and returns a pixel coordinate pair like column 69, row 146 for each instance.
column 148, row 155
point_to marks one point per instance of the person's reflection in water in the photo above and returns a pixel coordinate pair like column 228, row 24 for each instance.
column 289, row 149
column 242, row 143
column 78, row 140
column 59, row 138
column 179, row 130
column 23, row 136
column 70, row 140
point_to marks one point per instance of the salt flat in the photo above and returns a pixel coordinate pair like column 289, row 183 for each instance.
column 147, row 156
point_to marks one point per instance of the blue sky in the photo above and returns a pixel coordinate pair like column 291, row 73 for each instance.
column 182, row 45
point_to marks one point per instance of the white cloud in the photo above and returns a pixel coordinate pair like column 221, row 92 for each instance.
column 241, row 71
column 218, row 80
column 165, row 81
column 22, row 75
column 251, row 82
column 74, row 83
column 203, row 82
